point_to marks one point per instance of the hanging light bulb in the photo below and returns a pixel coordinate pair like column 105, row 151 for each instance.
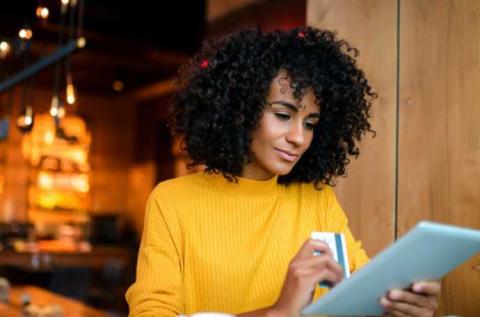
column 4, row 49
column 25, row 120
column 64, row 6
column 70, row 94
column 70, row 90
column 54, row 106
column 42, row 12
column 25, row 34
column 57, row 110
column 81, row 42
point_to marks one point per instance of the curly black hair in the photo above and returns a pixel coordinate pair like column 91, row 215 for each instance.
column 222, row 95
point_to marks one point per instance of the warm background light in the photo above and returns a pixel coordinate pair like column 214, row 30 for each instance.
column 118, row 85
column 67, row 181
column 42, row 141
column 42, row 12
column 81, row 42
column 70, row 93
column 61, row 112
column 54, row 111
column 25, row 34
column 60, row 175
column 4, row 49
column 27, row 119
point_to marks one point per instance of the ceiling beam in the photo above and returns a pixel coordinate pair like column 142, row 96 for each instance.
column 46, row 61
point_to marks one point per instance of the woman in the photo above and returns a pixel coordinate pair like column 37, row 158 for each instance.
column 274, row 117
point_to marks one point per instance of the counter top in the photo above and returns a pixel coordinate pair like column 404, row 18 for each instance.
column 39, row 296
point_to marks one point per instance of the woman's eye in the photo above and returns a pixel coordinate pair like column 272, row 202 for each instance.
column 282, row 116
column 309, row 125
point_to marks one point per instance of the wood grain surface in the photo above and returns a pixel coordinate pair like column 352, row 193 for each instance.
column 439, row 144
column 432, row 171
column 367, row 194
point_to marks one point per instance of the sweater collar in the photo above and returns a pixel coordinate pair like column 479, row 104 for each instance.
column 244, row 186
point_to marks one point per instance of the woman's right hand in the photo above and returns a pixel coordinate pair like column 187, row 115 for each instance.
column 305, row 271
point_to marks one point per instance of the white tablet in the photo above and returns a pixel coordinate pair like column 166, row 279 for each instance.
column 427, row 252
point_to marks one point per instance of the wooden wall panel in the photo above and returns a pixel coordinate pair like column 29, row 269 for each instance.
column 367, row 194
column 439, row 134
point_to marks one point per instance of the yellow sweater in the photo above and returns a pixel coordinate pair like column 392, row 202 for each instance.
column 212, row 245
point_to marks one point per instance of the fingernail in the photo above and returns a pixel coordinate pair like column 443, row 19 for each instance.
column 394, row 294
column 318, row 243
column 417, row 288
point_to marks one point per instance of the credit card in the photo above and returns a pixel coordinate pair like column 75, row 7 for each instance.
column 336, row 242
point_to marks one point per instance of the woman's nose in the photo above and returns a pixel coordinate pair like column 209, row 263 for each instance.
column 296, row 134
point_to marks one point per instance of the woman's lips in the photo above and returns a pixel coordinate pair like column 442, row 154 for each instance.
column 286, row 156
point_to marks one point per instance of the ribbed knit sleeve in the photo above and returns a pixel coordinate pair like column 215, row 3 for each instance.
column 158, row 288
column 336, row 221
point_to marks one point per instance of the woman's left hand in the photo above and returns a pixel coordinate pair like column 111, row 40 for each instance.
column 420, row 300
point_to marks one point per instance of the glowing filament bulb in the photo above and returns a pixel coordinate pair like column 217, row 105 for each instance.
column 42, row 12
column 4, row 49
column 54, row 106
column 64, row 6
column 70, row 94
column 25, row 34
column 54, row 111
column 28, row 120
column 28, row 115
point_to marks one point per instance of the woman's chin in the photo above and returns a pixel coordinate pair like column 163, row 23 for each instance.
column 282, row 171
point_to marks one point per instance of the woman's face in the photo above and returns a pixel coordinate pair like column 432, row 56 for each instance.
column 284, row 133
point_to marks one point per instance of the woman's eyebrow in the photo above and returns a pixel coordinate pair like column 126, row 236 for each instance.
column 293, row 107
column 287, row 104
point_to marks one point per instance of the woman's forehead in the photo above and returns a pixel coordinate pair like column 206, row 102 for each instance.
column 281, row 89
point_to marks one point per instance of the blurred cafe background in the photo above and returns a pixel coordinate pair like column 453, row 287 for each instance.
column 84, row 88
